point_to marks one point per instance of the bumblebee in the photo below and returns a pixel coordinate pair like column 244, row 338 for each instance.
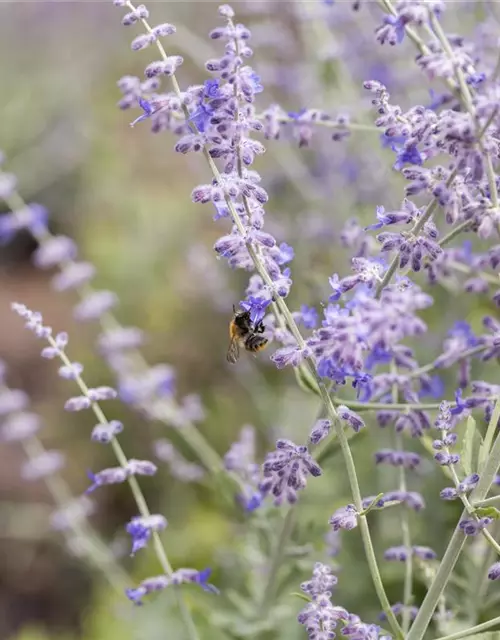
column 244, row 333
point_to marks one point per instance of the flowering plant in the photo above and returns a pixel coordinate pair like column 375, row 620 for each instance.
column 360, row 358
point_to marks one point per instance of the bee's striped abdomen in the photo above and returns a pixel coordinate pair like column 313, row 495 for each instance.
column 255, row 343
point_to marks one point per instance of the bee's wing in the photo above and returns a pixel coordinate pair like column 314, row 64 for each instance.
column 233, row 352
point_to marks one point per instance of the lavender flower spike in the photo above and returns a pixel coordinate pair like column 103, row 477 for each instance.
column 142, row 527
column 285, row 471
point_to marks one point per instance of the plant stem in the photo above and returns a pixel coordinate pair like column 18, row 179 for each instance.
column 480, row 588
column 362, row 521
column 437, row 586
column 329, row 124
column 269, row 591
column 492, row 463
column 405, row 525
column 137, row 493
column 488, row 502
column 463, row 226
column 386, row 406
column 287, row 315
column 463, row 268
column 472, row 630
column 431, row 366
column 457, row 541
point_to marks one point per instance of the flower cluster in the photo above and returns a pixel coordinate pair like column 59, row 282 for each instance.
column 286, row 470
column 321, row 617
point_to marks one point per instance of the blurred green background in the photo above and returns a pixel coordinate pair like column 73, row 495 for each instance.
column 124, row 195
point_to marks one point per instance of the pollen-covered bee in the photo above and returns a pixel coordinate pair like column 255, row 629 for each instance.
column 244, row 333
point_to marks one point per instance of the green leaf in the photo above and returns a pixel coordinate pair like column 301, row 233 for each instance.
column 372, row 505
column 466, row 454
column 306, row 381
column 487, row 512
column 302, row 596
column 484, row 452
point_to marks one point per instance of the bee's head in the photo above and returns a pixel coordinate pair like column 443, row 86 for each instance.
column 242, row 318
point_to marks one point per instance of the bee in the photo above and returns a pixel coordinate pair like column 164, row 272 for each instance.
column 244, row 333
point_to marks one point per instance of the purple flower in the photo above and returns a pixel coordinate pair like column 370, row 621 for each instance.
column 141, row 528
column 391, row 142
column 460, row 406
column 406, row 459
column 286, row 470
column 399, row 26
column 32, row 217
column 140, row 467
column 320, row 431
column 150, row 585
column 201, row 116
column 344, row 518
column 472, row 527
column 446, row 459
column 320, row 616
column 399, row 554
column 111, row 475
column 412, row 499
column 309, row 316
column 54, row 251
column 424, row 553
column 196, row 577
column 78, row 403
column 448, row 493
column 494, row 571
column 296, row 115
column 322, row 580
column 352, row 419
column 432, row 387
column 408, row 154
column 147, row 109
column 468, row 484
column 290, row 356
column 104, row 433
column 286, row 253
column 257, row 307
